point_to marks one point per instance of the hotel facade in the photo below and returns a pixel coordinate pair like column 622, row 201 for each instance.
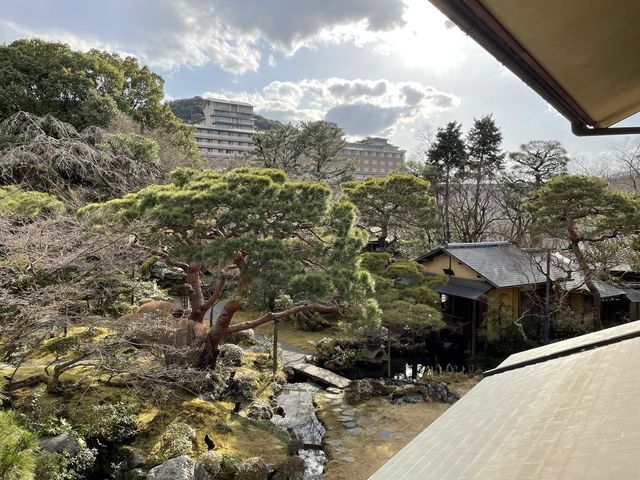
column 227, row 130
column 375, row 156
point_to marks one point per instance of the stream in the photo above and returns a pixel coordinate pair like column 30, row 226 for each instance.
column 301, row 421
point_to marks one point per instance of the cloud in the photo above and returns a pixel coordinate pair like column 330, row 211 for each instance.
column 290, row 24
column 365, row 118
column 359, row 106
column 174, row 33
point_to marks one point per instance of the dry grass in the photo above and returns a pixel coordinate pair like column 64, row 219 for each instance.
column 391, row 428
column 290, row 334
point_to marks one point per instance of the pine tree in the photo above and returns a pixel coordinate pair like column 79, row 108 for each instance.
column 445, row 157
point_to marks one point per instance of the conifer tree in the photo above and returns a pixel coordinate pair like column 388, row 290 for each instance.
column 246, row 225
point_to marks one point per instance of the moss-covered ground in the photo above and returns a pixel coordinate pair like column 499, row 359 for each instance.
column 80, row 391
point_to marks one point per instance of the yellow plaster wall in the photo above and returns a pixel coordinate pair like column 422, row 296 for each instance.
column 508, row 297
column 438, row 263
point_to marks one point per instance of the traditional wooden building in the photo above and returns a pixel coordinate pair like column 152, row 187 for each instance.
column 508, row 278
column 480, row 274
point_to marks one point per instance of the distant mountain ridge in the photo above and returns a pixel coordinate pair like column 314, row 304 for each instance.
column 190, row 110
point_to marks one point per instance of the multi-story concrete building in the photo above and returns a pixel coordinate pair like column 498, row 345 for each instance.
column 227, row 130
column 376, row 157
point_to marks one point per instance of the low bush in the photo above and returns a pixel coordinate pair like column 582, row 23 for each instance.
column 176, row 440
column 113, row 423
column 254, row 468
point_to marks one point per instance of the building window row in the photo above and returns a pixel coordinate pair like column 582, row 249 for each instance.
column 371, row 153
column 224, row 142
column 224, row 133
column 219, row 150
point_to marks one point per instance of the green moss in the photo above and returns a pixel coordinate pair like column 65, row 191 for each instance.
column 18, row 203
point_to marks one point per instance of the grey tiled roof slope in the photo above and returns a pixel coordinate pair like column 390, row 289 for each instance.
column 501, row 263
column 573, row 417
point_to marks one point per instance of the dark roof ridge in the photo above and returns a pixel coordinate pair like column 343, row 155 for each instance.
column 476, row 244
column 563, row 353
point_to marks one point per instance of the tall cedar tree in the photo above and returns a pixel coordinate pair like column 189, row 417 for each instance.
column 583, row 211
column 397, row 207
column 485, row 160
column 245, row 225
column 445, row 157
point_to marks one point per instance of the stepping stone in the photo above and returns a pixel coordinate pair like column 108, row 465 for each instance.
column 345, row 418
column 366, row 422
column 350, row 425
column 321, row 375
column 384, row 434
column 354, row 431
column 349, row 411
column 335, row 442
column 337, row 409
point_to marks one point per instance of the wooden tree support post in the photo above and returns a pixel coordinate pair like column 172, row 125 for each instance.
column 275, row 346
column 388, row 353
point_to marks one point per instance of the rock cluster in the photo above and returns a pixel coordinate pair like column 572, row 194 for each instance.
column 179, row 468
column 400, row 391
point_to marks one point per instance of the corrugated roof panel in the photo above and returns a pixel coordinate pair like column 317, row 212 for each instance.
column 573, row 417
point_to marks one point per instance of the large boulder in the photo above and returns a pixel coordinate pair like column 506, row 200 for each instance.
column 244, row 337
column 179, row 468
column 441, row 392
column 65, row 442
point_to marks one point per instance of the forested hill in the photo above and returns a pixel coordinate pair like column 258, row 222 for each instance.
column 190, row 110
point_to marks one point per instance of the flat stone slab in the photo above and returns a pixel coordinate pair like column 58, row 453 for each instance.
column 321, row 375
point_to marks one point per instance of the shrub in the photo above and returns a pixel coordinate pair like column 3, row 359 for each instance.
column 231, row 355
column 211, row 461
column 177, row 440
column 228, row 467
column 27, row 205
column 254, row 468
column 65, row 465
column 113, row 423
column 17, row 449
column 567, row 327
column 291, row 468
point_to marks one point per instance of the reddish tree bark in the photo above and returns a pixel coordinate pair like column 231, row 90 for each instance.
column 588, row 275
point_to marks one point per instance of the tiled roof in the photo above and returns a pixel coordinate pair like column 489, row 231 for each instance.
column 459, row 287
column 570, row 417
column 501, row 263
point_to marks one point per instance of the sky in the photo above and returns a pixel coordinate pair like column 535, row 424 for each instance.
column 376, row 67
